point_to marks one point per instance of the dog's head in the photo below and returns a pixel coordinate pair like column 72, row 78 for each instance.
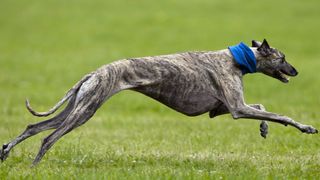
column 272, row 62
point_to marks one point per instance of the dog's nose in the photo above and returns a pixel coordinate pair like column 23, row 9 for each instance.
column 293, row 72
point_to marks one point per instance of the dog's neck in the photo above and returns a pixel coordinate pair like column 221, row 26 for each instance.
column 258, row 56
column 244, row 57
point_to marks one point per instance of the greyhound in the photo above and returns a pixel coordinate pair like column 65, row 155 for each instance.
column 191, row 83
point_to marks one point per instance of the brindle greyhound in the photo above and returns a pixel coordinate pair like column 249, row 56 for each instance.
column 192, row 83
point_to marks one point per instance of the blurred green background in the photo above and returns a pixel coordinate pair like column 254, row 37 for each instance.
column 47, row 46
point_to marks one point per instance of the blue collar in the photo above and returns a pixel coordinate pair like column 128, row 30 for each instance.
column 244, row 56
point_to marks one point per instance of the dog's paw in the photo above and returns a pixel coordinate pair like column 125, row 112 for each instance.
column 264, row 129
column 309, row 130
column 4, row 152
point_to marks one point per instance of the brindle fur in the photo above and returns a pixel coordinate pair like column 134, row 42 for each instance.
column 192, row 83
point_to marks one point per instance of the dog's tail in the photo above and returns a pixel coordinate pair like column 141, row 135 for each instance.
column 68, row 95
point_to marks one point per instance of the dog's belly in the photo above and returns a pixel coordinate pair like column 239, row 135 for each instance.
column 191, row 103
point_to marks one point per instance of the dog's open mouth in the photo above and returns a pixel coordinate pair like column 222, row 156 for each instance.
column 282, row 76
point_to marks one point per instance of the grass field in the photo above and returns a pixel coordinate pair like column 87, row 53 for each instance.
column 47, row 46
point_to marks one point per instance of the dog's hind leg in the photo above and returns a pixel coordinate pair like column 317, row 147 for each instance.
column 91, row 97
column 82, row 113
column 36, row 128
column 222, row 109
column 78, row 118
column 52, row 123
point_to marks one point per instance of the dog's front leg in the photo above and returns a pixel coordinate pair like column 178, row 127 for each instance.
column 233, row 99
column 222, row 109
column 251, row 113
column 263, row 124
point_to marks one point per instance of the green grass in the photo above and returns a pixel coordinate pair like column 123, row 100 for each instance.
column 47, row 46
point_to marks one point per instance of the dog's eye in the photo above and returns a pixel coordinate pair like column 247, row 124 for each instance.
column 277, row 60
column 282, row 60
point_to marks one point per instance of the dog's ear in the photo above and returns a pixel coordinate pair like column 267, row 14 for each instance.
column 265, row 44
column 256, row 43
column 264, row 48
